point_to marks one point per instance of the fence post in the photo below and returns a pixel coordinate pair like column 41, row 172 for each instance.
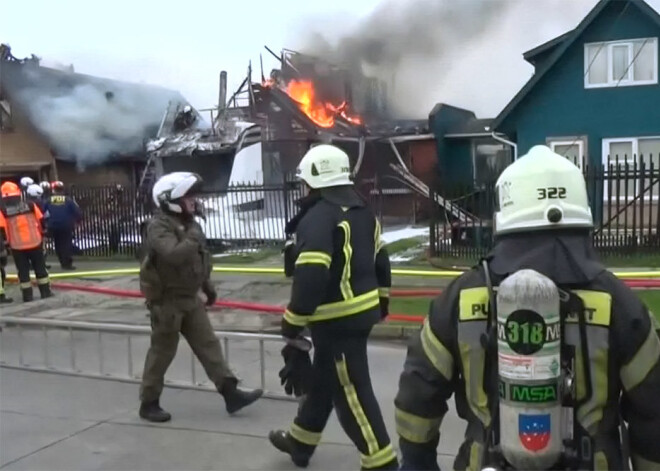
column 433, row 248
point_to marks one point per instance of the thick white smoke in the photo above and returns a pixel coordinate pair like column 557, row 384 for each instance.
column 90, row 120
column 463, row 52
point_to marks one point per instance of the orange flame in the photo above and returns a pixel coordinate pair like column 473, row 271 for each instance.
column 323, row 114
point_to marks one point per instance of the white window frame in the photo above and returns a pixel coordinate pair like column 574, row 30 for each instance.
column 629, row 82
column 567, row 141
column 631, row 159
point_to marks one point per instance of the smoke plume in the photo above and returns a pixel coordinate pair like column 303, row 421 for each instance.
column 452, row 51
column 86, row 119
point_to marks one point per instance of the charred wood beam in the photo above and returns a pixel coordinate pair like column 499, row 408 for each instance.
column 273, row 54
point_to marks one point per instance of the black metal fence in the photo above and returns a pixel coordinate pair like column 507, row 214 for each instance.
column 247, row 217
column 624, row 197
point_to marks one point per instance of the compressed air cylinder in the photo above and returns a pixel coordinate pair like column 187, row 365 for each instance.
column 529, row 369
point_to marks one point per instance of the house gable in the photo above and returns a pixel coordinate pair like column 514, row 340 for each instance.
column 555, row 101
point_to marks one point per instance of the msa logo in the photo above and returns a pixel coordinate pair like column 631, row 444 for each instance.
column 551, row 193
column 534, row 394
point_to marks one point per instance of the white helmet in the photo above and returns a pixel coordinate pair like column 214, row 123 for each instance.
column 26, row 181
column 173, row 186
column 324, row 166
column 541, row 190
column 35, row 191
column 45, row 185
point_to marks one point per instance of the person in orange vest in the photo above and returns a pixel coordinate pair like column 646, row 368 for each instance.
column 22, row 223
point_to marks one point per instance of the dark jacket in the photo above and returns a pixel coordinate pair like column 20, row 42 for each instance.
column 341, row 269
column 177, row 262
column 62, row 212
column 448, row 355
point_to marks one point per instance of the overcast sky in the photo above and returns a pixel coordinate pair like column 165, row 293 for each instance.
column 184, row 44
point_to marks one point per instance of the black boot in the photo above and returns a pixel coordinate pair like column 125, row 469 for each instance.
column 45, row 291
column 236, row 399
column 286, row 444
column 5, row 300
column 152, row 412
column 27, row 294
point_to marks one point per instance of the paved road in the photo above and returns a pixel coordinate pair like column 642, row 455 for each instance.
column 51, row 421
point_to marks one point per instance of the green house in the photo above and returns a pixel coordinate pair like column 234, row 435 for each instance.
column 594, row 94
column 595, row 91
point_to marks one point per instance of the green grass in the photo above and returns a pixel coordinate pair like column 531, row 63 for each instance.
column 420, row 306
column 402, row 245
column 249, row 257
column 622, row 261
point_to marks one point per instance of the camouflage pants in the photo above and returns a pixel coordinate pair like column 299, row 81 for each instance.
column 186, row 316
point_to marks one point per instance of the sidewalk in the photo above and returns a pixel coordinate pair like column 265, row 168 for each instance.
column 62, row 423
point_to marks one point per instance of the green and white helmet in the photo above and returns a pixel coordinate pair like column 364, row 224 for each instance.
column 324, row 166
column 541, row 190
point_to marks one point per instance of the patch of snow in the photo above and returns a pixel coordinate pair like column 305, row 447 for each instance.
column 406, row 233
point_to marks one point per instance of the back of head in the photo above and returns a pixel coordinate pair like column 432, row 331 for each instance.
column 9, row 190
column 325, row 166
column 57, row 187
column 540, row 191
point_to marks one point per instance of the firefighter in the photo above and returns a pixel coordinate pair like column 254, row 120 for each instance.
column 62, row 215
column 543, row 223
column 22, row 223
column 34, row 194
column 175, row 280
column 3, row 274
column 340, row 291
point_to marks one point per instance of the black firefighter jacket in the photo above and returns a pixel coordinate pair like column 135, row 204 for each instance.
column 447, row 358
column 341, row 269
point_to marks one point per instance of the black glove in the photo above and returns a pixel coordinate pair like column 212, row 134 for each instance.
column 384, row 307
column 211, row 294
column 297, row 372
column 289, row 252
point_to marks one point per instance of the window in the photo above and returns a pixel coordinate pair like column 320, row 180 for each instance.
column 489, row 159
column 571, row 148
column 5, row 116
column 624, row 153
column 621, row 63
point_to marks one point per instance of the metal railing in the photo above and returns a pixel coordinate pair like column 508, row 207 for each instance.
column 47, row 326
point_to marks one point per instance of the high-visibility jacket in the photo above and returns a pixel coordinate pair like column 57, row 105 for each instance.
column 341, row 269
column 448, row 358
column 22, row 225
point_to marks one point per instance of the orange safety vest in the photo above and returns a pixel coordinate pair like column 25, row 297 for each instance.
column 21, row 224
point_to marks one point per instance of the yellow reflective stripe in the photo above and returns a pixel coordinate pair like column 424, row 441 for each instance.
column 345, row 283
column 642, row 464
column 475, row 457
column 320, row 258
column 378, row 242
column 305, row 436
column 598, row 307
column 356, row 305
column 26, row 285
column 296, row 319
column 355, row 406
column 378, row 459
column 600, row 461
column 473, row 304
column 436, row 352
column 384, row 292
column 43, row 281
column 641, row 364
column 416, row 429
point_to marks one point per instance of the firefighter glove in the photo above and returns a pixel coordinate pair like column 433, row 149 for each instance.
column 289, row 253
column 297, row 372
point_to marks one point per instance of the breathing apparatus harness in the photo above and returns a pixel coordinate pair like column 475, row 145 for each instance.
column 577, row 444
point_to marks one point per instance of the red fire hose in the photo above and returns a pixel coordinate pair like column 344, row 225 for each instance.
column 270, row 309
column 247, row 306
